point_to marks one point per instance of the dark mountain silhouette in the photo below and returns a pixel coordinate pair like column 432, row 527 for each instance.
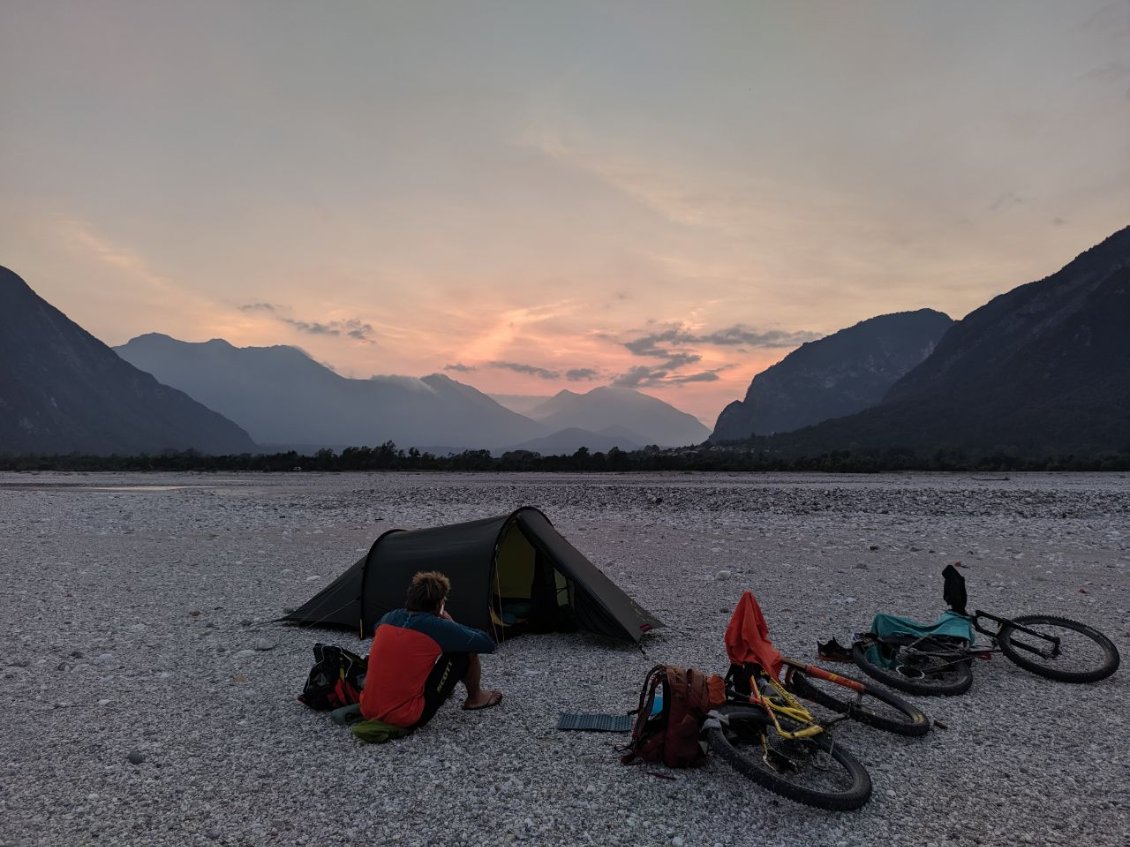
column 285, row 399
column 64, row 391
column 836, row 376
column 567, row 441
column 638, row 417
column 1043, row 369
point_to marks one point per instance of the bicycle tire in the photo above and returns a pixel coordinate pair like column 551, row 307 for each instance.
column 1106, row 654
column 872, row 706
column 846, row 785
column 911, row 669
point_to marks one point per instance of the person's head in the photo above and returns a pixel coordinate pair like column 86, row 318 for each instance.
column 427, row 591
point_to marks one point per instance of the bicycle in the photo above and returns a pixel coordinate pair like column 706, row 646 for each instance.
column 936, row 659
column 768, row 736
column 765, row 733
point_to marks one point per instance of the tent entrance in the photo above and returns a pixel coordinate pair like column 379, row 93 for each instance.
column 528, row 594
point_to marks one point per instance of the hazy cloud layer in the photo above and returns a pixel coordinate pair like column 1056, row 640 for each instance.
column 668, row 346
column 644, row 376
column 528, row 370
column 582, row 374
column 734, row 336
column 350, row 328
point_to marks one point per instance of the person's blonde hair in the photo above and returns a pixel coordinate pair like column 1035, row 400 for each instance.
column 427, row 591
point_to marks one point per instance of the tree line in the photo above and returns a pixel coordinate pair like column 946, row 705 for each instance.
column 388, row 457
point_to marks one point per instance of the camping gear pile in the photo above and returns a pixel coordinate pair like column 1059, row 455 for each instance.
column 517, row 574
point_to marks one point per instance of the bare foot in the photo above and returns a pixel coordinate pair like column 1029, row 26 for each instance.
column 484, row 700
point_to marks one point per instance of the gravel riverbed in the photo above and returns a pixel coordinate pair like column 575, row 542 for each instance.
column 146, row 698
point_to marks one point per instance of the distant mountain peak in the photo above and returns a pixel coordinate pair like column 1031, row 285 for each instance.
column 838, row 375
column 1041, row 370
column 65, row 391
column 607, row 407
column 285, row 398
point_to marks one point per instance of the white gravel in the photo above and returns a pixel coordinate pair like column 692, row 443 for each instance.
column 145, row 699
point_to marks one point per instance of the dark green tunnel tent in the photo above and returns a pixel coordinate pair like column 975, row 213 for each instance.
column 509, row 574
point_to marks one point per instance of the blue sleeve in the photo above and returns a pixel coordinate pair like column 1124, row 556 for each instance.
column 454, row 637
column 451, row 637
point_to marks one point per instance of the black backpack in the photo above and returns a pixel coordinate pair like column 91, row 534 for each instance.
column 335, row 680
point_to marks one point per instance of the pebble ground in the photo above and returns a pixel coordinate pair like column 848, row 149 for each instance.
column 147, row 699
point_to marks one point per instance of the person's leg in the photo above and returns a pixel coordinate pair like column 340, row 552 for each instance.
column 449, row 669
column 477, row 697
column 473, row 679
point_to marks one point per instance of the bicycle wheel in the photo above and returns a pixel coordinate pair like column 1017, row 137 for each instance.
column 928, row 666
column 816, row 771
column 872, row 706
column 1083, row 655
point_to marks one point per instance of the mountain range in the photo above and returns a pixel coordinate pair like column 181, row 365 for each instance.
column 1042, row 369
column 835, row 376
column 286, row 400
column 621, row 413
column 64, row 391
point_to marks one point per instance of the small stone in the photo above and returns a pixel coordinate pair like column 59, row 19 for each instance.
column 861, row 566
column 873, row 547
column 105, row 701
column 263, row 645
column 723, row 575
column 135, row 757
column 677, row 841
column 195, row 613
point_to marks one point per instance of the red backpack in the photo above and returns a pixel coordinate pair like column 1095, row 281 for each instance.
column 671, row 732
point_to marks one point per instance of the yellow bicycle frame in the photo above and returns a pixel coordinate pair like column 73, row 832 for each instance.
column 784, row 703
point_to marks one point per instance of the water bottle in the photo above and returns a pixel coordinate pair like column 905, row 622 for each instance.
column 657, row 702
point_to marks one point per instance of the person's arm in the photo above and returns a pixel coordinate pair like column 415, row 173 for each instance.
column 454, row 637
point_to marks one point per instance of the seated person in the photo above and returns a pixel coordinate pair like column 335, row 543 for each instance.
column 418, row 655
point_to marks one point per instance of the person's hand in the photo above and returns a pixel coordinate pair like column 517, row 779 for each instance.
column 443, row 614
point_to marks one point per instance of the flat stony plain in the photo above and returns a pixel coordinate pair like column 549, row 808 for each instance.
column 146, row 698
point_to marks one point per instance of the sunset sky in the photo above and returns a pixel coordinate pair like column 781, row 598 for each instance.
column 530, row 196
